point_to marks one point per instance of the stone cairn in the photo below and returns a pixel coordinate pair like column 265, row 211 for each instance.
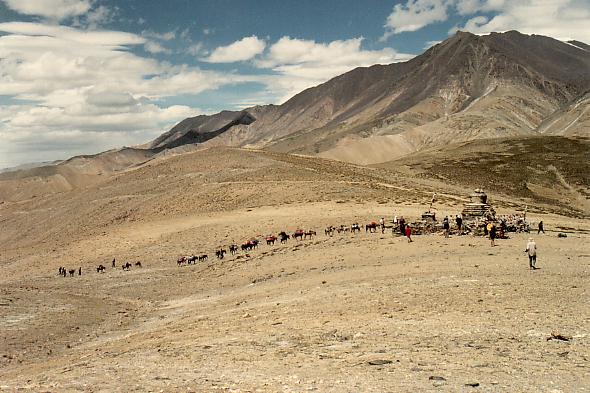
column 478, row 207
column 478, row 212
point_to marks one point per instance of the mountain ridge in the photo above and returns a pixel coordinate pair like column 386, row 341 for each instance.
column 450, row 77
column 467, row 87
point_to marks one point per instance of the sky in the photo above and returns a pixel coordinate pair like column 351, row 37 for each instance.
column 84, row 76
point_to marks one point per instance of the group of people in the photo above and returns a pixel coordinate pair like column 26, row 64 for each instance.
column 447, row 225
column 490, row 229
column 403, row 227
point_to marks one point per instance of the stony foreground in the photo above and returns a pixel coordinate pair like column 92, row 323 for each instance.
column 362, row 313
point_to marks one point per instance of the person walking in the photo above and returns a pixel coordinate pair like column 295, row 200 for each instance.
column 531, row 250
column 402, row 225
column 446, row 226
column 459, row 221
column 382, row 224
column 492, row 232
column 114, row 266
column 408, row 230
column 541, row 229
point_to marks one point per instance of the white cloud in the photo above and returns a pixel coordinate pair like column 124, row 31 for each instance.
column 468, row 7
column 300, row 64
column 154, row 47
column 50, row 9
column 167, row 36
column 561, row 19
column 242, row 50
column 430, row 44
column 414, row 15
column 75, row 85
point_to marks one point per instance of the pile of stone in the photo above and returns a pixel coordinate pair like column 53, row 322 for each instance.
column 478, row 213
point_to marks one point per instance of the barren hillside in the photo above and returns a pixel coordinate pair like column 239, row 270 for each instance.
column 550, row 169
column 366, row 312
column 467, row 87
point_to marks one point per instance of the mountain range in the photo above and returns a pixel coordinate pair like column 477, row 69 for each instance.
column 469, row 87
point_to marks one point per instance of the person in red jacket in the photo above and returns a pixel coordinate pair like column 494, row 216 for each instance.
column 409, row 233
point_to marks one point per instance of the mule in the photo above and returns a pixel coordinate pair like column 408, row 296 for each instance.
column 298, row 234
column 100, row 269
column 270, row 240
column 309, row 234
column 343, row 228
column 233, row 249
column 220, row 253
column 191, row 260
column 283, row 236
column 372, row 227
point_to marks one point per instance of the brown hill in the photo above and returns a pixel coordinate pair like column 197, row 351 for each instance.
column 551, row 170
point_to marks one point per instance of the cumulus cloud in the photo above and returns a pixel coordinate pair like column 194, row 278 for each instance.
column 50, row 9
column 241, row 50
column 414, row 15
column 299, row 64
column 155, row 47
column 561, row 19
column 72, row 84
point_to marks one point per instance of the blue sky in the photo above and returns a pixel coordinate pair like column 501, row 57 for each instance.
column 82, row 76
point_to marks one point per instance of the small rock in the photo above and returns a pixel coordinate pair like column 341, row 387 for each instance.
column 379, row 362
column 472, row 384
column 436, row 378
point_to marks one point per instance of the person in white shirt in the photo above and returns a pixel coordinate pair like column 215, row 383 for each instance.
column 531, row 250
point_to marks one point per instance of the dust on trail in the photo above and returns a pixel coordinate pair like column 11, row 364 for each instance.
column 364, row 312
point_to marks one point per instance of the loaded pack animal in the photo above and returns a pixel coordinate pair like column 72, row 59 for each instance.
column 72, row 271
column 250, row 245
column 283, row 236
column 220, row 253
column 343, row 228
column 100, row 269
column 203, row 257
column 138, row 264
column 371, row 227
column 355, row 227
column 126, row 266
column 270, row 240
column 309, row 234
column 191, row 260
column 298, row 234
column 181, row 260
column 233, row 249
column 329, row 231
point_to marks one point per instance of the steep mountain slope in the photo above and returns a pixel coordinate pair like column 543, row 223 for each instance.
column 467, row 87
column 573, row 120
